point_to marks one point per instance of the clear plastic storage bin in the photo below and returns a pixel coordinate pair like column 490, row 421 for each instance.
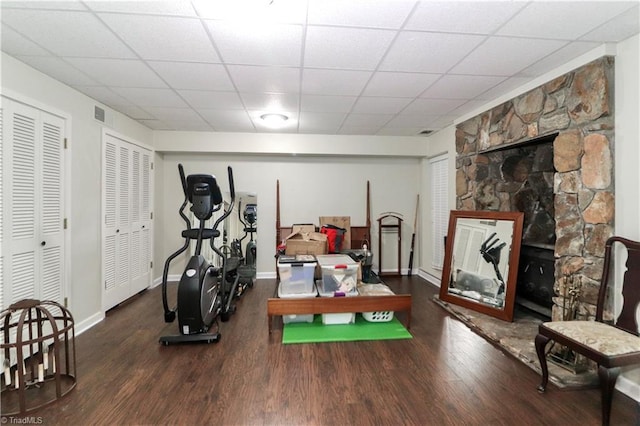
column 342, row 317
column 339, row 273
column 286, row 319
column 296, row 278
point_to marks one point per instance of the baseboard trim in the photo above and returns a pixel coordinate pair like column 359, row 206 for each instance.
column 85, row 325
column 171, row 278
column 628, row 387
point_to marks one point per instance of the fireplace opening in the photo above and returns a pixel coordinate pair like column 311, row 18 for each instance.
column 520, row 178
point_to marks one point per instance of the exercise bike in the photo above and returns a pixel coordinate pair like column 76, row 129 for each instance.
column 203, row 291
column 247, row 269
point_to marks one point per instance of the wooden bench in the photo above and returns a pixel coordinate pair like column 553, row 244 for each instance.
column 331, row 305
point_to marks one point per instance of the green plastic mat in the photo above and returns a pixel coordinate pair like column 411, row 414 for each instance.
column 304, row 332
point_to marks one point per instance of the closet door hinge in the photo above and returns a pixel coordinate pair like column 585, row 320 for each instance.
column 64, row 223
column 66, row 302
column 151, row 166
column 150, row 265
column 151, row 215
column 65, row 143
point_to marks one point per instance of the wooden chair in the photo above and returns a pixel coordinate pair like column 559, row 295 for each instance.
column 611, row 346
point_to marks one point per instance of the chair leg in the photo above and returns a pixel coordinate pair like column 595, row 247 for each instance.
column 541, row 343
column 608, row 377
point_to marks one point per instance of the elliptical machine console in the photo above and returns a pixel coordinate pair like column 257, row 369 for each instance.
column 201, row 291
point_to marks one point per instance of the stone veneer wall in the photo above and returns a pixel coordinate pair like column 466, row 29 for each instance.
column 579, row 106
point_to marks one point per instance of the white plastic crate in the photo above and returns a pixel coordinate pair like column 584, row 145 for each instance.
column 286, row 319
column 339, row 273
column 342, row 317
column 296, row 278
column 381, row 316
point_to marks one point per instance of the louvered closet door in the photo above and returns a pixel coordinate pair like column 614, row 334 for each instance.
column 33, row 233
column 127, row 222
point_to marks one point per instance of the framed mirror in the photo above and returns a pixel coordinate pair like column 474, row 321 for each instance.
column 481, row 261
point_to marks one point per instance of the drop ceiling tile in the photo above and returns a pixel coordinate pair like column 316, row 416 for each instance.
column 399, row 84
column 223, row 120
column 76, row 33
column 432, row 106
column 151, row 97
column 619, row 28
column 501, row 89
column 333, row 82
column 402, row 120
column 461, row 86
column 359, row 13
column 134, row 112
column 359, row 130
column 280, row 11
column 190, row 126
column 156, row 125
column 187, row 75
column 45, row 4
column 371, row 105
column 118, row 72
column 566, row 20
column 104, row 95
column 211, row 100
column 258, row 79
column 503, row 56
column 462, row 17
column 57, row 68
column 270, row 102
column 320, row 122
column 400, row 131
column 345, row 48
column 15, row 44
column 366, row 120
column 559, row 57
column 163, row 38
column 257, row 43
column 176, row 114
column 323, row 103
column 468, row 107
column 428, row 52
column 155, row 7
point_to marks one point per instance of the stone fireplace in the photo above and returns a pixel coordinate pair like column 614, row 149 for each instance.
column 549, row 154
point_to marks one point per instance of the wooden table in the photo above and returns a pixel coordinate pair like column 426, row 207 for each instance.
column 332, row 305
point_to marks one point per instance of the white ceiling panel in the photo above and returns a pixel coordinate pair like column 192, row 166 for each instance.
column 257, row 43
column 16, row 44
column 59, row 69
column 360, row 13
column 399, row 84
column 619, row 28
column 462, row 17
column 565, row 20
column 428, row 52
column 369, row 105
column 154, row 7
column 320, row 122
column 118, row 72
column 265, row 79
column 392, row 67
column 432, row 106
column 345, row 48
column 461, row 86
column 163, row 38
column 275, row 102
column 503, row 56
column 159, row 98
column 66, row 33
column 253, row 11
column 203, row 99
column 324, row 103
column 186, row 75
column 334, row 82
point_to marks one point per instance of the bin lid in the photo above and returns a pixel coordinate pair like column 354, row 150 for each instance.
column 334, row 259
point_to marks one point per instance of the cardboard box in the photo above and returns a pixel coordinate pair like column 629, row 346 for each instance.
column 305, row 228
column 341, row 222
column 306, row 243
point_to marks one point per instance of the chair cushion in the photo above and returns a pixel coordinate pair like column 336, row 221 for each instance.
column 604, row 338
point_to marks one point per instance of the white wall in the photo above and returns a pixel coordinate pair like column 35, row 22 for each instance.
column 310, row 186
column 85, row 138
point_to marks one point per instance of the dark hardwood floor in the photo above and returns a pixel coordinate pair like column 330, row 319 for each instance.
column 445, row 375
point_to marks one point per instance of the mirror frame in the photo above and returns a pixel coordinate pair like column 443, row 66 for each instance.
column 514, row 255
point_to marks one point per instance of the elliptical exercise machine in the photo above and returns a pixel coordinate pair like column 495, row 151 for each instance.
column 203, row 290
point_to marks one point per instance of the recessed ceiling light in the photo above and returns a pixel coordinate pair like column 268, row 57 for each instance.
column 274, row 120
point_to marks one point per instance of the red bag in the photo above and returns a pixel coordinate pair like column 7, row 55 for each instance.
column 335, row 236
